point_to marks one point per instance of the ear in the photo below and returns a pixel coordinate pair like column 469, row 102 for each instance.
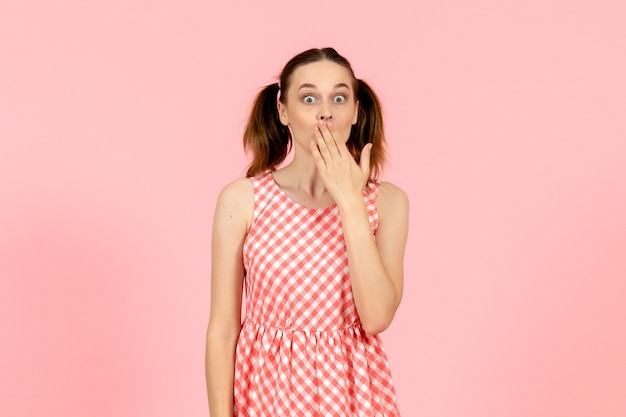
column 282, row 113
column 355, row 117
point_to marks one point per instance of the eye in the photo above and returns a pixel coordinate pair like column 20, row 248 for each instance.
column 308, row 99
column 340, row 99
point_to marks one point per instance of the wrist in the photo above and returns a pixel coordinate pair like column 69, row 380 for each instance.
column 350, row 202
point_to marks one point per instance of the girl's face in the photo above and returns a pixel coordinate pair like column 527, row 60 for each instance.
column 317, row 91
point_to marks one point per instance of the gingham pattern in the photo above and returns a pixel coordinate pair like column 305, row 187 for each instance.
column 302, row 351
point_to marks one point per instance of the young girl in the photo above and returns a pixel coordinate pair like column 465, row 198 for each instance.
column 319, row 245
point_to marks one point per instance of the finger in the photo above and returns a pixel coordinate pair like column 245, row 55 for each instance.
column 317, row 156
column 341, row 144
column 364, row 161
column 329, row 138
column 322, row 145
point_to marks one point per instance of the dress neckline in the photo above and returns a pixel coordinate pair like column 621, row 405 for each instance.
column 294, row 202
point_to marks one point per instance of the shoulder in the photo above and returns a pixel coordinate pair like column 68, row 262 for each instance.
column 393, row 203
column 236, row 202
column 237, row 191
column 390, row 194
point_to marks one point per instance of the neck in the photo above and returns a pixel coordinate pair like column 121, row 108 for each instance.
column 302, row 176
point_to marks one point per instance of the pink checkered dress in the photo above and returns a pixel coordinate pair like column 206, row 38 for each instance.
column 302, row 351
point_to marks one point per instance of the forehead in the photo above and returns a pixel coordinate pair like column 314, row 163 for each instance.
column 321, row 74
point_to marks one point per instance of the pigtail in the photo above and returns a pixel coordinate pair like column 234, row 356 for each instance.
column 265, row 137
column 368, row 129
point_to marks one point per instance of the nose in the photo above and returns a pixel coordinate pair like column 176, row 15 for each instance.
column 324, row 112
column 325, row 116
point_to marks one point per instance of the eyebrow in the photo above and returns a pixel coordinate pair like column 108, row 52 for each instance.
column 307, row 85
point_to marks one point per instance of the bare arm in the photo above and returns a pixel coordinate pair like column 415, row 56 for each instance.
column 376, row 264
column 231, row 221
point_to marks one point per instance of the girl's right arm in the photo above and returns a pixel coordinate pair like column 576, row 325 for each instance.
column 232, row 218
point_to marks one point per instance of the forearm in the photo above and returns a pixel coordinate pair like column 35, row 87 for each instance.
column 219, row 367
column 375, row 295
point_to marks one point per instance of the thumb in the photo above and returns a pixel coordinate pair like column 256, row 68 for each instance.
column 364, row 162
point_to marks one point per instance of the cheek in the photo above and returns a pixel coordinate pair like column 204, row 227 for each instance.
column 348, row 114
column 302, row 115
column 346, row 132
column 302, row 126
column 346, row 119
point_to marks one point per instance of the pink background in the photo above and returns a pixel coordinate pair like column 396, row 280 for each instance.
column 121, row 120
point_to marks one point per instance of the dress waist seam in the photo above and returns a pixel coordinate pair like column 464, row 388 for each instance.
column 248, row 320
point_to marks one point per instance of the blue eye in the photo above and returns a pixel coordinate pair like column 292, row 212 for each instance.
column 309, row 99
column 339, row 99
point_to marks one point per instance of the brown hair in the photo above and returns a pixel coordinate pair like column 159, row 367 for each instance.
column 269, row 141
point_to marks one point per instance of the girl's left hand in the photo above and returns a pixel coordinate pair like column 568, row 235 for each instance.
column 341, row 175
